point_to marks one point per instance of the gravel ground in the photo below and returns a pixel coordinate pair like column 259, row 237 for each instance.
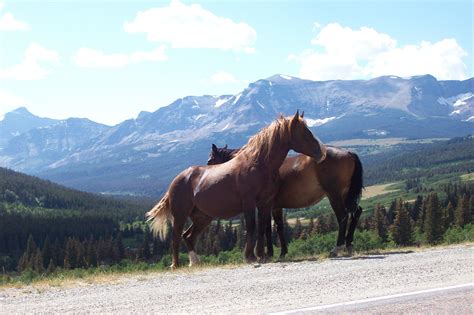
column 252, row 288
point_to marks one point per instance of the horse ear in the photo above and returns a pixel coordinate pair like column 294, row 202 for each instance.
column 214, row 147
column 225, row 147
column 302, row 114
column 297, row 115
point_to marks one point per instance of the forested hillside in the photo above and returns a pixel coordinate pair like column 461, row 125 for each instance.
column 31, row 191
column 420, row 160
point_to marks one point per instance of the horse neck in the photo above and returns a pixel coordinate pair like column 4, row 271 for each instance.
column 275, row 156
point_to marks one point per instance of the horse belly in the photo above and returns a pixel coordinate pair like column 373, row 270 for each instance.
column 222, row 204
column 299, row 193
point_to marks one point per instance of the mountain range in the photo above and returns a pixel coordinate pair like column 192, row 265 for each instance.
column 140, row 156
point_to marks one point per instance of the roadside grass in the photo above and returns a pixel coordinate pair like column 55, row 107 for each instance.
column 316, row 247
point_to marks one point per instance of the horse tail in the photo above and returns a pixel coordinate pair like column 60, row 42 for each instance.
column 159, row 216
column 357, row 184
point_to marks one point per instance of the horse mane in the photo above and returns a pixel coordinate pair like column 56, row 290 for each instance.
column 261, row 144
column 227, row 154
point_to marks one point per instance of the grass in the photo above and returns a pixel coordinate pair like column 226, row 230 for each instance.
column 377, row 190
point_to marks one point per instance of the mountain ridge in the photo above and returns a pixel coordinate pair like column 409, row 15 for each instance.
column 154, row 146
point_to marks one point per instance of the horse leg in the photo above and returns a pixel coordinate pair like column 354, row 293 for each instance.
column 176, row 242
column 352, row 227
column 200, row 222
column 180, row 210
column 337, row 205
column 250, row 236
column 277, row 214
column 263, row 219
column 268, row 237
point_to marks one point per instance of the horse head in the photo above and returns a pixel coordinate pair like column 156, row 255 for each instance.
column 303, row 141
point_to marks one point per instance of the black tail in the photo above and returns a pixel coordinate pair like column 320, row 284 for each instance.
column 357, row 184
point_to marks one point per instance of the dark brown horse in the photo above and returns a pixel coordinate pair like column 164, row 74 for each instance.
column 248, row 181
column 304, row 182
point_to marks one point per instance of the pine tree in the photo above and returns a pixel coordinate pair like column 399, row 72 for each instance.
column 38, row 262
column 298, row 229
column 23, row 263
column 51, row 267
column 380, row 222
column 433, row 226
column 318, row 226
column 46, row 252
column 448, row 215
column 27, row 260
column 91, row 253
column 310, row 228
column 401, row 228
column 240, row 233
column 119, row 249
column 145, row 248
column 391, row 212
column 331, row 223
column 471, row 207
column 416, row 208
column 69, row 255
column 420, row 223
column 463, row 213
column 287, row 229
column 30, row 247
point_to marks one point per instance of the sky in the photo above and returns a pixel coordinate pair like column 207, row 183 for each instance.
column 110, row 60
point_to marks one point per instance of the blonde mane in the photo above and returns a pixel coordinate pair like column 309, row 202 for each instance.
column 261, row 144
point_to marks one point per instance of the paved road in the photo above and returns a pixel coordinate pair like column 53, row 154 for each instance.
column 269, row 288
column 454, row 299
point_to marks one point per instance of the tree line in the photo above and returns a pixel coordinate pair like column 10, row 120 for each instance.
column 42, row 244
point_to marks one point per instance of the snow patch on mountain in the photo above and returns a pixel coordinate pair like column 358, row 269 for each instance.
column 318, row 122
column 462, row 98
column 197, row 117
column 220, row 102
column 237, row 99
column 443, row 101
column 286, row 77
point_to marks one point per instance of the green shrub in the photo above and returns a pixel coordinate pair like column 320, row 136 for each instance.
column 314, row 245
column 458, row 235
column 367, row 240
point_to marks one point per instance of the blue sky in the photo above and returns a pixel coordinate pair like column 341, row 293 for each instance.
column 107, row 61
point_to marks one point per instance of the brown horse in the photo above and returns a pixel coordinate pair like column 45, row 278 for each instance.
column 304, row 182
column 248, row 181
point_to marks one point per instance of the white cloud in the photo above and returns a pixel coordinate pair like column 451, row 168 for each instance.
column 9, row 23
column 91, row 58
column 191, row 26
column 30, row 68
column 344, row 53
column 9, row 101
column 223, row 77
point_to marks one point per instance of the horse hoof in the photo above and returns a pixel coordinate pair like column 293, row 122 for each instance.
column 336, row 251
column 193, row 259
column 262, row 260
column 250, row 259
column 349, row 250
